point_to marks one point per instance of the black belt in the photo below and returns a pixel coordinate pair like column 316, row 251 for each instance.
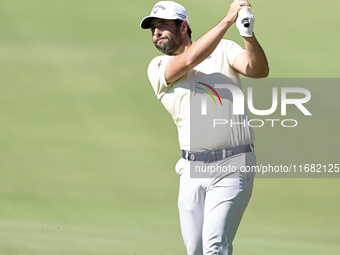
column 211, row 156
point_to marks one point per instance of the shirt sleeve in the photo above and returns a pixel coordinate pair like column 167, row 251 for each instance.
column 156, row 74
column 233, row 51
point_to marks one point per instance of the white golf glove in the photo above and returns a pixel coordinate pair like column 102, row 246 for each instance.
column 245, row 17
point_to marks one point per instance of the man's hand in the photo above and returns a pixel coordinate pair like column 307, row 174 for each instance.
column 245, row 15
column 234, row 8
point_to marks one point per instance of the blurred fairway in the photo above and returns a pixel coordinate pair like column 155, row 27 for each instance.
column 87, row 153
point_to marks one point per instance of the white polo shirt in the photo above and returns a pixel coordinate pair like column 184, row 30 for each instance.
column 216, row 127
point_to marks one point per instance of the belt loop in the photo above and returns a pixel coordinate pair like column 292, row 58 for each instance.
column 213, row 155
column 251, row 147
column 224, row 153
column 187, row 155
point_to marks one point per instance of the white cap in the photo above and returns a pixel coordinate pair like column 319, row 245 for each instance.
column 165, row 10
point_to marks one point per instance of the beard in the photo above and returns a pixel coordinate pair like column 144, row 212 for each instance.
column 172, row 45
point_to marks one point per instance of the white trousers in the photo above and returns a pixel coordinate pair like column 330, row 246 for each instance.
column 211, row 209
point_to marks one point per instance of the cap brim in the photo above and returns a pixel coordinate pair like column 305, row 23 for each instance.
column 145, row 24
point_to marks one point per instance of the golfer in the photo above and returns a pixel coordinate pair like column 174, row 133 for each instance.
column 190, row 81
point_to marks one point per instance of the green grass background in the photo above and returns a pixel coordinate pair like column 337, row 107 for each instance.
column 87, row 153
